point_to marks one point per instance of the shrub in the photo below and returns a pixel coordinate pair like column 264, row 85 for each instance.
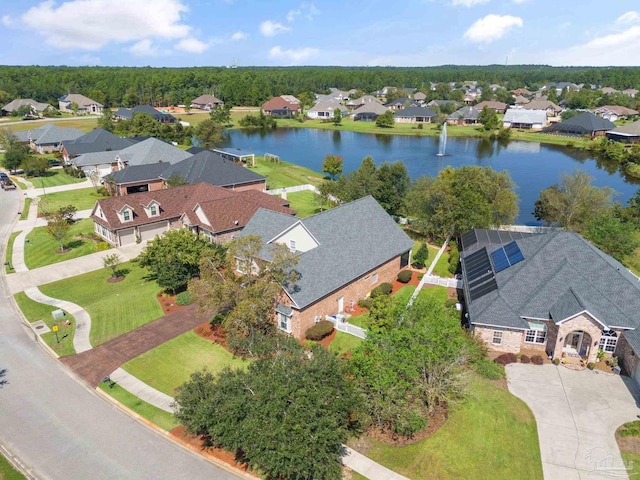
column 421, row 256
column 420, row 276
column 102, row 246
column 405, row 276
column 410, row 423
column 454, row 258
column 365, row 303
column 382, row 289
column 524, row 359
column 319, row 330
column 556, row 361
column 184, row 298
column 506, row 359
column 591, row 365
column 217, row 319
column 103, row 192
column 537, row 360
column 488, row 369
column 451, row 302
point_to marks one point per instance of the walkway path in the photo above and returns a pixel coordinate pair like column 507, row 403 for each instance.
column 37, row 191
column 433, row 279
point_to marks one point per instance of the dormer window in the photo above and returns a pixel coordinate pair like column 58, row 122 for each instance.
column 153, row 210
column 126, row 215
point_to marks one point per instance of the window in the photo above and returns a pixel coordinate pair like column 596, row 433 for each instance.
column 374, row 278
column 284, row 322
column 497, row 337
column 608, row 341
column 126, row 216
column 153, row 210
column 537, row 333
column 292, row 246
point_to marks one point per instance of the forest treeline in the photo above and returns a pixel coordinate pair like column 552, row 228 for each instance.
column 129, row 86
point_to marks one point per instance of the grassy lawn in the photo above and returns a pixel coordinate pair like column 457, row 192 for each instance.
column 9, row 253
column 442, row 267
column 34, row 311
column 24, row 214
column 115, row 308
column 168, row 366
column 305, row 203
column 285, row 174
column 54, row 178
column 631, row 459
column 157, row 416
column 344, row 343
column 42, row 249
column 84, row 124
column 82, row 199
column 7, row 472
column 490, row 435
column 16, row 180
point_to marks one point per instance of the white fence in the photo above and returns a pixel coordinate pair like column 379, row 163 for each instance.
column 346, row 327
column 443, row 282
column 297, row 188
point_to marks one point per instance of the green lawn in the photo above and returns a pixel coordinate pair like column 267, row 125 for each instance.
column 42, row 248
column 84, row 124
column 442, row 267
column 9, row 253
column 24, row 214
column 34, row 311
column 7, row 472
column 632, row 461
column 305, row 203
column 16, row 180
column 155, row 415
column 54, row 178
column 344, row 343
column 168, row 366
column 490, row 435
column 285, row 174
column 115, row 308
column 82, row 199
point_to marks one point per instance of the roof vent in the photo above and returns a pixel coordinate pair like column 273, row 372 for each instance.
column 236, row 222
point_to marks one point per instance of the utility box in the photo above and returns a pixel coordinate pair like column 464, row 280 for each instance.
column 57, row 315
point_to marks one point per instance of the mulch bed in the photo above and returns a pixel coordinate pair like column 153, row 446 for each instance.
column 214, row 333
column 396, row 285
column 168, row 303
column 628, row 444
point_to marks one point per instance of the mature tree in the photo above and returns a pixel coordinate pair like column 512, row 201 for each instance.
column 332, row 165
column 359, row 183
column 112, row 262
column 210, row 134
column 394, row 94
column 94, row 177
column 58, row 227
column 488, row 118
column 143, row 125
column 15, row 151
column 612, row 235
column 74, row 108
column 258, row 121
column 386, row 120
column 174, row 258
column 221, row 115
column 288, row 414
column 307, row 99
column 35, row 166
column 461, row 199
column 393, row 183
column 573, row 202
column 337, row 117
column 105, row 121
column 176, row 180
column 245, row 288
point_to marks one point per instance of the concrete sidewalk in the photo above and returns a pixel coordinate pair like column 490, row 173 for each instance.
column 37, row 191
column 42, row 222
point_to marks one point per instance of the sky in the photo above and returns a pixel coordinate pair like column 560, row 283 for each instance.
column 183, row 33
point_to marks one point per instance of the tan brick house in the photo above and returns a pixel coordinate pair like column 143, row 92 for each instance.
column 343, row 254
column 553, row 292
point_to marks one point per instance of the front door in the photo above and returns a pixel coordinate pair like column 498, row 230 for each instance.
column 575, row 341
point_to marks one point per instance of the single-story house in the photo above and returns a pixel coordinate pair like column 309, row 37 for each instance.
column 629, row 133
column 48, row 138
column 284, row 106
column 159, row 116
column 520, row 100
column 206, row 102
column 216, row 212
column 497, row 107
column 401, row 103
column 525, row 119
column 522, row 91
column 368, row 112
column 553, row 292
column 325, row 110
column 35, row 108
column 343, row 253
column 585, row 123
column 419, row 97
column 85, row 104
column 414, row 115
column 551, row 108
column 615, row 112
column 465, row 116
column 97, row 140
column 630, row 92
column 443, row 103
column 364, row 100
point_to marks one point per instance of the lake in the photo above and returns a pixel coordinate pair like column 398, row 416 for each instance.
column 532, row 166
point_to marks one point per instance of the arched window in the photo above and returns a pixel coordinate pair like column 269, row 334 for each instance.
column 608, row 341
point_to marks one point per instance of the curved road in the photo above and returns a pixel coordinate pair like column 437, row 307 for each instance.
column 58, row 428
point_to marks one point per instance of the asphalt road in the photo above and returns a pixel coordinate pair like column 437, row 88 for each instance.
column 58, row 428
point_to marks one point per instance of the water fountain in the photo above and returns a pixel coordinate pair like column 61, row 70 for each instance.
column 442, row 144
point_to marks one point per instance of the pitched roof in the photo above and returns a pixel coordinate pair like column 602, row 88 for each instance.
column 581, row 124
column 329, row 106
column 466, row 113
column 98, row 140
column 138, row 173
column 206, row 99
column 521, row 115
column 353, row 239
column 152, row 150
column 148, row 109
column 49, row 134
column 411, row 112
column 21, row 102
column 561, row 274
column 542, row 105
column 618, row 109
column 94, row 158
column 631, row 129
column 80, row 99
column 363, row 100
column 370, row 107
column 492, row 105
column 279, row 103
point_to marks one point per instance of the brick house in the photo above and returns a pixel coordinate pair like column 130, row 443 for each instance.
column 343, row 254
column 553, row 292
column 284, row 106
column 217, row 213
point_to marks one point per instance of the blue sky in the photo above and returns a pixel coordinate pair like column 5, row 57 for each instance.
column 322, row 32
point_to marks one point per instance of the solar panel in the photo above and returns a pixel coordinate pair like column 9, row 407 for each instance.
column 483, row 289
column 500, row 261
column 477, row 264
column 514, row 254
column 468, row 239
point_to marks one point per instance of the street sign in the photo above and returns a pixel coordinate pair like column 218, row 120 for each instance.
column 54, row 328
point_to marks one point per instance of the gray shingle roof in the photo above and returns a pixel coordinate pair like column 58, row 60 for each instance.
column 411, row 112
column 94, row 158
column 466, row 113
column 49, row 134
column 582, row 124
column 152, row 150
column 98, row 140
column 561, row 274
column 138, row 173
column 21, row 102
column 354, row 239
column 631, row 129
column 210, row 167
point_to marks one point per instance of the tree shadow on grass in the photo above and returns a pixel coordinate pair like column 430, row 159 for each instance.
column 74, row 244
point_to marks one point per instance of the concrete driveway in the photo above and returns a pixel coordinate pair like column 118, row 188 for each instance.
column 577, row 413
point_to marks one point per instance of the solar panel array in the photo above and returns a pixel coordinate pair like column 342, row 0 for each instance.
column 506, row 256
column 479, row 273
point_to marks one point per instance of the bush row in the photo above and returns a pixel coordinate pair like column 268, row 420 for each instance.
column 319, row 330
column 405, row 276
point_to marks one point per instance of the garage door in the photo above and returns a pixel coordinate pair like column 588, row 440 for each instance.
column 127, row 236
column 149, row 232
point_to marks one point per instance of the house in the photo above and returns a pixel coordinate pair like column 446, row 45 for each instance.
column 97, row 140
column 35, row 108
column 464, row 116
column 609, row 90
column 419, row 97
column 206, row 102
column 630, row 92
column 520, row 100
column 343, row 253
column 401, row 103
column 552, row 292
column 325, row 110
column 525, row 119
column 629, row 133
column 206, row 166
column 414, row 115
column 369, row 112
column 560, row 87
column 159, row 116
column 497, row 107
column 614, row 112
column 85, row 104
column 48, row 138
column 585, row 123
column 364, row 100
column 284, row 106
column 551, row 108
column 443, row 103
column 522, row 91
column 217, row 213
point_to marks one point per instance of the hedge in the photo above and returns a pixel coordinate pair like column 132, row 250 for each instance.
column 537, row 360
column 382, row 289
column 319, row 330
column 405, row 276
column 524, row 359
column 184, row 298
column 507, row 358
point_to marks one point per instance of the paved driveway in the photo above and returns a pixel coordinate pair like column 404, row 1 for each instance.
column 577, row 414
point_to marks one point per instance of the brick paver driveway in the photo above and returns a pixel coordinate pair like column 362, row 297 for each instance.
column 577, row 415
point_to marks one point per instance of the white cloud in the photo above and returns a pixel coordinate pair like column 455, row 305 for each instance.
column 269, row 28
column 192, row 45
column 491, row 28
column 291, row 16
column 239, row 36
column 144, row 48
column 467, row 3
column 627, row 18
column 293, row 55
column 92, row 24
column 307, row 10
column 6, row 20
